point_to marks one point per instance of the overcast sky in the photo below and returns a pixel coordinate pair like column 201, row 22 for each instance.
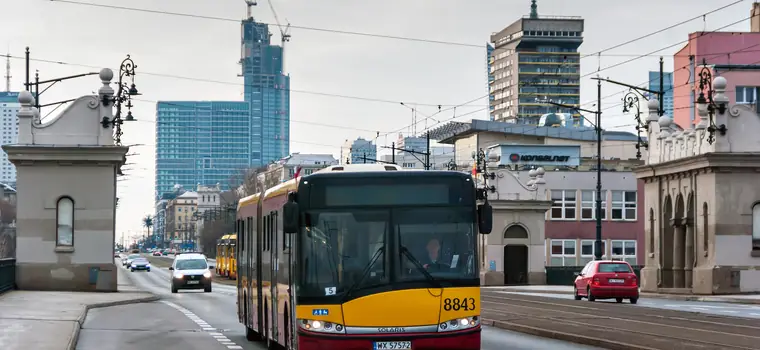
column 180, row 49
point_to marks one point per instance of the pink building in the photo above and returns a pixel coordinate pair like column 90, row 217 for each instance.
column 733, row 55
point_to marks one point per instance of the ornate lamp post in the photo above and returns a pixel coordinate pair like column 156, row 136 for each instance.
column 710, row 105
column 123, row 94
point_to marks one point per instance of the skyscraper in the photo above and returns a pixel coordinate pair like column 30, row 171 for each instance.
column 267, row 90
column 667, row 86
column 9, row 107
column 489, row 74
column 204, row 142
column 210, row 142
column 536, row 58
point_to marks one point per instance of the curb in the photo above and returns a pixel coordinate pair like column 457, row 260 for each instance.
column 574, row 338
column 708, row 299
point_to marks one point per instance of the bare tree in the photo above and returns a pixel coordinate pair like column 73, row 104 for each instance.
column 213, row 231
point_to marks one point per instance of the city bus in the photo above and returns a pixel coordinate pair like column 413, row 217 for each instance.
column 226, row 250
column 220, row 255
column 364, row 256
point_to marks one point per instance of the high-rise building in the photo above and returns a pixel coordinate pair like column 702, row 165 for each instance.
column 667, row 86
column 489, row 74
column 267, row 90
column 203, row 142
column 9, row 107
column 536, row 59
column 209, row 142
column 358, row 151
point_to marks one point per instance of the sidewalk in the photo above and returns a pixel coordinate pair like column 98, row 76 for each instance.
column 543, row 289
column 52, row 320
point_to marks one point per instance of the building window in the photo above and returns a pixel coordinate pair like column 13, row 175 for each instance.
column 624, row 250
column 705, row 233
column 746, row 94
column 756, row 226
column 563, row 253
column 65, row 222
column 563, row 204
column 624, row 205
column 588, row 253
column 651, row 230
column 588, row 205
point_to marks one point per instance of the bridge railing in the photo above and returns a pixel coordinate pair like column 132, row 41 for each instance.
column 7, row 274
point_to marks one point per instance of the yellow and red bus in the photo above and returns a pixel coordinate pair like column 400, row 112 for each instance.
column 363, row 257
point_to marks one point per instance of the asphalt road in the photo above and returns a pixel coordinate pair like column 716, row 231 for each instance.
column 192, row 314
column 722, row 309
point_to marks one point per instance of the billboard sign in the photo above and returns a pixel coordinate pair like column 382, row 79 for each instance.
column 539, row 155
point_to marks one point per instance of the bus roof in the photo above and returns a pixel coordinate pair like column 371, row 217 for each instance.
column 393, row 174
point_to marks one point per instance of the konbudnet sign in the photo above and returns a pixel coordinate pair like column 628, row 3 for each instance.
column 539, row 155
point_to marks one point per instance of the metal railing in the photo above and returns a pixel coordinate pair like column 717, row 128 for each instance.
column 7, row 274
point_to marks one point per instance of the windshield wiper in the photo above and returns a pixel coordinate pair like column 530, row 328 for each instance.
column 419, row 266
column 365, row 273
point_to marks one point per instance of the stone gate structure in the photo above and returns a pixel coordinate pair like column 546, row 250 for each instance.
column 701, row 200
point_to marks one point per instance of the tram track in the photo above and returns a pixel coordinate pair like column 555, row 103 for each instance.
column 618, row 326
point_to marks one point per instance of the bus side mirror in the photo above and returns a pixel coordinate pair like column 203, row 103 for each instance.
column 290, row 214
column 485, row 218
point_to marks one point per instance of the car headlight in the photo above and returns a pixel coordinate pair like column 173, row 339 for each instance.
column 321, row 326
column 207, row 274
column 147, row 265
column 178, row 275
column 459, row 324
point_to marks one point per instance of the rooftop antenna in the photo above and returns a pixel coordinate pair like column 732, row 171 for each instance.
column 249, row 4
column 8, row 72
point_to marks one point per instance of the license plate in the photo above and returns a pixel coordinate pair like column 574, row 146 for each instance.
column 617, row 281
column 393, row 345
column 193, row 282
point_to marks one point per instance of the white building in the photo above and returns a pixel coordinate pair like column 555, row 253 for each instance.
column 9, row 106
column 356, row 151
column 285, row 169
column 440, row 157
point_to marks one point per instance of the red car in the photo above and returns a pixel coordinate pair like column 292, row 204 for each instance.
column 607, row 279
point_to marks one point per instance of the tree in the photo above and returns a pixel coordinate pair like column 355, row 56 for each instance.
column 212, row 231
column 147, row 222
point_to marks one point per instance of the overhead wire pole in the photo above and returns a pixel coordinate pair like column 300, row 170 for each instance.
column 598, row 129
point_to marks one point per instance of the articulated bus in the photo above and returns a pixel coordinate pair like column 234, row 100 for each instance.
column 226, row 253
column 364, row 256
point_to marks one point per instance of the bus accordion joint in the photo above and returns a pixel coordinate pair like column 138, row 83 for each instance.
column 290, row 214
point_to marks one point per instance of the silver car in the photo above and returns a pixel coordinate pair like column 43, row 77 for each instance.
column 139, row 264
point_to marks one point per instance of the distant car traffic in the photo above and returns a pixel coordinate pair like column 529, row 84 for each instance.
column 126, row 262
column 190, row 271
column 139, row 264
column 156, row 253
column 607, row 279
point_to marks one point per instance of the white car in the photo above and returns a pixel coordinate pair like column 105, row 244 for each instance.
column 128, row 261
column 190, row 271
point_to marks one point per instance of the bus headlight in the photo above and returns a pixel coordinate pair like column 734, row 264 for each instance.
column 321, row 326
column 459, row 324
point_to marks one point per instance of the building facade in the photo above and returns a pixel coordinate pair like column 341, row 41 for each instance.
column 535, row 59
column 441, row 158
column 733, row 55
column 702, row 200
column 490, row 78
column 181, row 220
column 202, row 142
column 553, row 225
column 9, row 107
column 358, row 151
column 285, row 169
column 667, row 87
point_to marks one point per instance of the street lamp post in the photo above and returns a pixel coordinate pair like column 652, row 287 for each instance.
column 123, row 94
column 598, row 202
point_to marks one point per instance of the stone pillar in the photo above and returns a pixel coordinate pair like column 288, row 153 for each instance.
column 689, row 254
column 679, row 238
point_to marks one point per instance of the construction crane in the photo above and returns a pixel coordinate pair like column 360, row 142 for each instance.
column 285, row 35
column 250, row 4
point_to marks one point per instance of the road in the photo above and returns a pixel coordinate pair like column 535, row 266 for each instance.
column 720, row 309
column 196, row 320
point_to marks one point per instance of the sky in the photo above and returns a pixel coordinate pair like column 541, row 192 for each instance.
column 191, row 58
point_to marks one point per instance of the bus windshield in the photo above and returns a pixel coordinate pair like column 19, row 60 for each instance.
column 350, row 249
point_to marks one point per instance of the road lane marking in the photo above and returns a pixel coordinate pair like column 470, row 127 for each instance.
column 220, row 337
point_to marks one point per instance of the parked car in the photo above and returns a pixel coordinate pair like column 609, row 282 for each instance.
column 139, row 264
column 190, row 271
column 607, row 279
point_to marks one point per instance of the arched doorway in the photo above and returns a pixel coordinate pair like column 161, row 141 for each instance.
column 515, row 256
